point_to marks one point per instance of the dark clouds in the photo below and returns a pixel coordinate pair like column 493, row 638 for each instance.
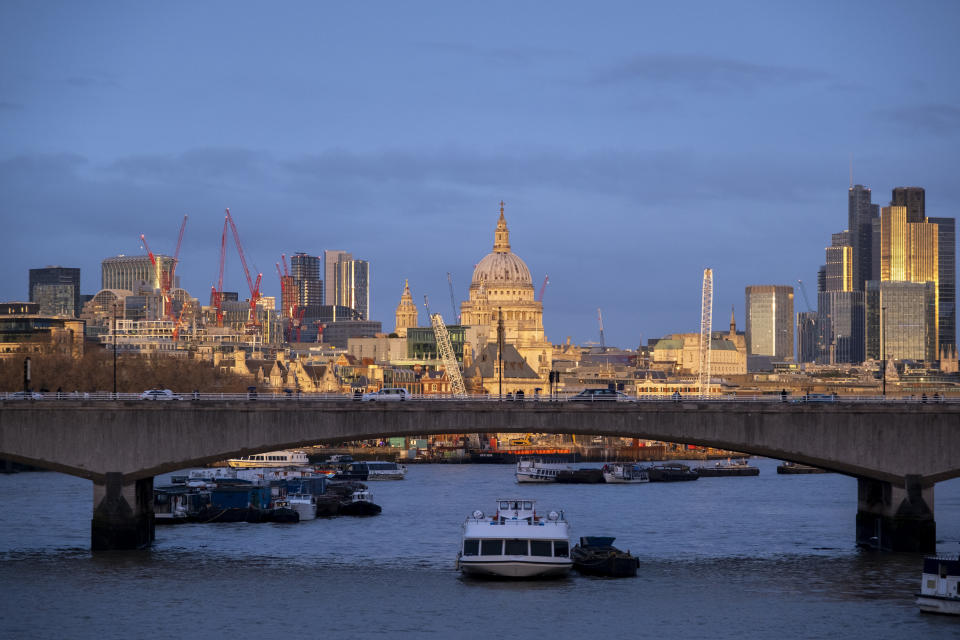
column 935, row 119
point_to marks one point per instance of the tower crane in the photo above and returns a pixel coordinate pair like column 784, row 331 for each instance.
column 165, row 279
column 252, row 321
column 803, row 290
column 216, row 291
column 445, row 348
column 706, row 329
column 543, row 288
column 453, row 299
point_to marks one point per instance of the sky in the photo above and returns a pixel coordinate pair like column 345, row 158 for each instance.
column 634, row 143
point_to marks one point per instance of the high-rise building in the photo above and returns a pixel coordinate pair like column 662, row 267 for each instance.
column 947, row 279
column 305, row 271
column 901, row 321
column 131, row 273
column 807, row 336
column 860, row 215
column 839, row 267
column 770, row 321
column 840, row 325
column 914, row 199
column 330, row 260
column 353, row 285
column 56, row 290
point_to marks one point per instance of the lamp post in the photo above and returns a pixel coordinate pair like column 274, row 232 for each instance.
column 883, row 339
column 500, row 352
column 114, row 350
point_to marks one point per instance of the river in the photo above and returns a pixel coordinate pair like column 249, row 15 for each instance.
column 769, row 556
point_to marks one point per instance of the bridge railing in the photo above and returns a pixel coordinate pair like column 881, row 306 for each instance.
column 281, row 396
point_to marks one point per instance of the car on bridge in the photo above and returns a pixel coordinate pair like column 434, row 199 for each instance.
column 159, row 394
column 600, row 395
column 387, row 394
column 26, row 395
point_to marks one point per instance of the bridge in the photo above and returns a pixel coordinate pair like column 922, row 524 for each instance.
column 897, row 451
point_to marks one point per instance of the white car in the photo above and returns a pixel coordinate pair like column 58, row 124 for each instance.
column 387, row 394
column 159, row 394
column 26, row 395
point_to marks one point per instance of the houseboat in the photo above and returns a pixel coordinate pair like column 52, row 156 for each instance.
column 624, row 473
column 940, row 585
column 536, row 470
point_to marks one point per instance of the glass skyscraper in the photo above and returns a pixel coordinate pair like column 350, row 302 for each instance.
column 56, row 290
column 861, row 213
column 770, row 321
column 901, row 321
column 308, row 287
column 841, row 325
column 947, row 279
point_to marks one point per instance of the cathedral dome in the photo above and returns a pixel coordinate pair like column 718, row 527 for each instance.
column 501, row 268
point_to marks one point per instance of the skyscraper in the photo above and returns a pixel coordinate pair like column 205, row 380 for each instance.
column 947, row 279
column 770, row 321
column 353, row 285
column 901, row 321
column 840, row 321
column 56, row 290
column 839, row 267
column 330, row 259
column 860, row 215
column 305, row 271
column 914, row 199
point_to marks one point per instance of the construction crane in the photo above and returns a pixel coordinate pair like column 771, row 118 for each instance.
column 216, row 291
column 803, row 290
column 252, row 321
column 603, row 343
column 166, row 278
column 445, row 349
column 543, row 288
column 706, row 330
column 453, row 299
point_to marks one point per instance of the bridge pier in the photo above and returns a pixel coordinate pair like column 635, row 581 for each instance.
column 893, row 518
column 122, row 514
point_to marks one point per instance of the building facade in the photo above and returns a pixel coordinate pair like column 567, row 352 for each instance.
column 861, row 213
column 307, row 285
column 134, row 273
column 56, row 290
column 841, row 325
column 770, row 321
column 407, row 315
column 946, row 280
column 901, row 321
column 353, row 285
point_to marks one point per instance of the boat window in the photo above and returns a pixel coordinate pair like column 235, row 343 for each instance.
column 516, row 548
column 561, row 548
column 528, row 505
column 491, row 547
column 471, row 547
column 504, row 505
column 540, row 548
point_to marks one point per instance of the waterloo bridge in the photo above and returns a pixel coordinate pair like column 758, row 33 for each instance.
column 897, row 451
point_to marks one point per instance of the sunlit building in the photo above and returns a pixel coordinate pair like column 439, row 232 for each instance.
column 770, row 321
column 56, row 290
column 901, row 321
column 133, row 273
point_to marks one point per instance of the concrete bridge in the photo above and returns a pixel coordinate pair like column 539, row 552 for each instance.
column 898, row 452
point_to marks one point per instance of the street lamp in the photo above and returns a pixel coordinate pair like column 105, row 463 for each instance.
column 883, row 339
column 500, row 352
column 114, row 350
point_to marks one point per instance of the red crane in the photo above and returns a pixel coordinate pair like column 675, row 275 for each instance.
column 254, row 287
column 543, row 287
column 216, row 292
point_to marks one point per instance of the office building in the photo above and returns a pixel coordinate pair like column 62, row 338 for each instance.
column 839, row 267
column 134, row 273
column 307, row 285
column 861, row 213
column 807, row 336
column 56, row 290
column 770, row 321
column 330, row 260
column 353, row 285
column 901, row 321
column 913, row 199
column 946, row 280
column 840, row 326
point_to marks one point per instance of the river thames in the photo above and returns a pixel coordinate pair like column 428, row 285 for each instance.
column 768, row 556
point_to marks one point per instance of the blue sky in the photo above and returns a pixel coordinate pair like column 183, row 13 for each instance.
column 634, row 143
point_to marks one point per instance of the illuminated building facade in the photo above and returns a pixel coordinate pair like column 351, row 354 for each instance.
column 128, row 272
column 770, row 321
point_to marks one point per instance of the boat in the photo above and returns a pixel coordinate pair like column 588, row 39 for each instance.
column 536, row 470
column 304, row 504
column 372, row 470
column 596, row 556
column 360, row 503
column 728, row 468
column 580, row 476
column 515, row 542
column 624, row 473
column 792, row 468
column 282, row 512
column 671, row 472
column 270, row 459
column 940, row 585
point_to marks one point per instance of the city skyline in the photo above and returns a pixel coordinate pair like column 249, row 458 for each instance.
column 627, row 165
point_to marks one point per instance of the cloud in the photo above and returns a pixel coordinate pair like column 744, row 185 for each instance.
column 704, row 73
column 934, row 118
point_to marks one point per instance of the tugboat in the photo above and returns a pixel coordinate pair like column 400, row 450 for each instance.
column 305, row 504
column 515, row 542
column 671, row 472
column 596, row 556
column 940, row 585
column 282, row 512
column 360, row 504
column 621, row 473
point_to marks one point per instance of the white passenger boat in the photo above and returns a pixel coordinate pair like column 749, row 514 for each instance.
column 536, row 470
column 624, row 473
column 940, row 585
column 270, row 459
column 379, row 470
column 515, row 542
column 303, row 503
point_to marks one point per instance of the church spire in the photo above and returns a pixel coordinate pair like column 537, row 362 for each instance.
column 501, row 237
column 733, row 323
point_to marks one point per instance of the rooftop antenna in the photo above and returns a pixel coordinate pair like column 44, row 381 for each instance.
column 851, row 171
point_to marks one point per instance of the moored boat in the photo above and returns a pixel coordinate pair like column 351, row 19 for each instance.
column 536, row 470
column 304, row 504
column 624, row 473
column 270, row 459
column 360, row 504
column 728, row 468
column 596, row 556
column 795, row 468
column 671, row 472
column 282, row 512
column 580, row 476
column 940, row 585
column 515, row 542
